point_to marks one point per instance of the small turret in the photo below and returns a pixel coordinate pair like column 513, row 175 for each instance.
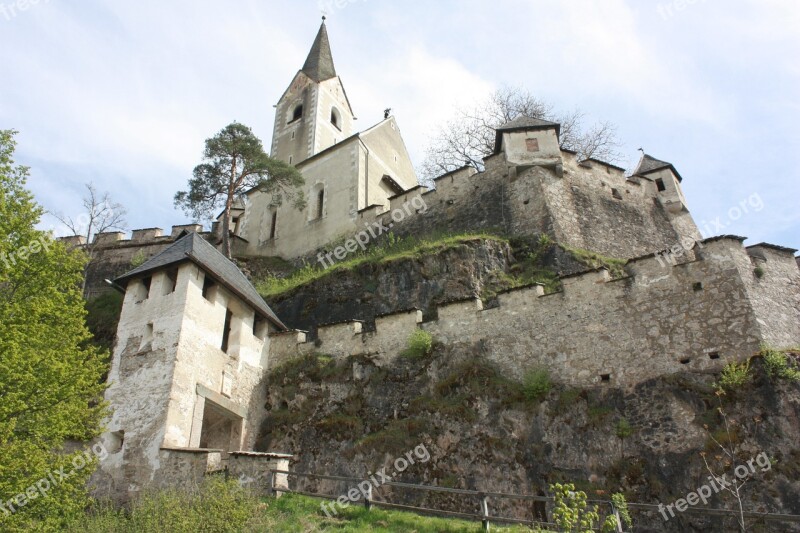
column 528, row 141
column 666, row 180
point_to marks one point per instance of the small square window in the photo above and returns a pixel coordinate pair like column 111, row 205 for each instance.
column 605, row 378
column 660, row 185
column 697, row 286
column 713, row 355
column 532, row 145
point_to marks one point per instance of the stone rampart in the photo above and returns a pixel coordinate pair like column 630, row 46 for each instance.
column 659, row 319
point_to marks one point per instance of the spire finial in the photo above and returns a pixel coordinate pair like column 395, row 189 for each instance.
column 323, row 18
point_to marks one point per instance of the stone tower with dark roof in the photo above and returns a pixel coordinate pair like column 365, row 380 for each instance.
column 314, row 113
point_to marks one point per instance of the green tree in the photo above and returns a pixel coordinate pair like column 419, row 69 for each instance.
column 235, row 162
column 50, row 375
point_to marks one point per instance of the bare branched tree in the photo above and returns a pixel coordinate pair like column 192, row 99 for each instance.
column 469, row 137
column 727, row 459
column 100, row 214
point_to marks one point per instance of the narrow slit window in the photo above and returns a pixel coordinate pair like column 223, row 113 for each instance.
column 320, row 203
column 226, row 331
column 335, row 119
column 273, row 225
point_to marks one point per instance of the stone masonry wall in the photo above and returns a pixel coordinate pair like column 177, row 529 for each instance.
column 661, row 319
column 591, row 205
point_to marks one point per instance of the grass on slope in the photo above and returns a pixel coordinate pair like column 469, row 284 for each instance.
column 223, row 507
column 391, row 249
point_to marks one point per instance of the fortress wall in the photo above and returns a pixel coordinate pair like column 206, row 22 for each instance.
column 592, row 206
column 659, row 320
column 463, row 201
column 114, row 254
column 776, row 294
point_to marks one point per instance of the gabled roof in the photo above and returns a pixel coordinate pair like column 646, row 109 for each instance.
column 521, row 124
column 649, row 164
column 527, row 123
column 192, row 247
column 319, row 63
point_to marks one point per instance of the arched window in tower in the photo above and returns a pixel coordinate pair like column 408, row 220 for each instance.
column 320, row 202
column 336, row 119
column 297, row 114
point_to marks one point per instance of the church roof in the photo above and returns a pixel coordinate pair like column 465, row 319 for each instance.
column 524, row 123
column 650, row 164
column 319, row 63
column 192, row 247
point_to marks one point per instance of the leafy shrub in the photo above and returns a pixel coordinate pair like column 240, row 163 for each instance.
column 536, row 384
column 419, row 344
column 734, row 376
column 621, row 505
column 571, row 512
column 778, row 365
column 759, row 272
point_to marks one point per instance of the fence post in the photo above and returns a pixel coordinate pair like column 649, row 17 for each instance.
column 271, row 488
column 484, row 511
column 368, row 498
column 615, row 511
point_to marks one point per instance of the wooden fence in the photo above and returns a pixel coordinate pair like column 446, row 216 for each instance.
column 482, row 501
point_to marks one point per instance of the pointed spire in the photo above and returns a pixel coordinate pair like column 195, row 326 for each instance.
column 319, row 64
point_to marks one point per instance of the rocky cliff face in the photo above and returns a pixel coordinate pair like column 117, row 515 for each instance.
column 483, row 432
column 478, row 266
column 384, row 287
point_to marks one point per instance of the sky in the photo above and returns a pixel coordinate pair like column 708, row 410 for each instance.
column 124, row 94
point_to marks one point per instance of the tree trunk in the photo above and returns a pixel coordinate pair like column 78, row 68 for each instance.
column 226, row 223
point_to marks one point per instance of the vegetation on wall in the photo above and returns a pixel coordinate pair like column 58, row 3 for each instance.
column 780, row 364
column 594, row 260
column 389, row 249
column 102, row 318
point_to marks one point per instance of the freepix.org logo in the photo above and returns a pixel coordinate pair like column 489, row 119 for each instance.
column 372, row 231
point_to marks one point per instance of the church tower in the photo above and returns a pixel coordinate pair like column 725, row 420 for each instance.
column 314, row 112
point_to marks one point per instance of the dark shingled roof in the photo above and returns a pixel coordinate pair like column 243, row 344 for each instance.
column 192, row 247
column 650, row 164
column 524, row 123
column 319, row 63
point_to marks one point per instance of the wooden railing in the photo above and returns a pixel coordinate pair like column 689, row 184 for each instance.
column 483, row 498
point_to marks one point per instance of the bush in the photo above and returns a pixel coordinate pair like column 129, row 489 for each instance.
column 778, row 365
column 536, row 384
column 571, row 511
column 734, row 376
column 419, row 344
column 217, row 505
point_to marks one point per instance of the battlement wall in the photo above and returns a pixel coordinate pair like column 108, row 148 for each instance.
column 114, row 253
column 590, row 205
column 658, row 320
